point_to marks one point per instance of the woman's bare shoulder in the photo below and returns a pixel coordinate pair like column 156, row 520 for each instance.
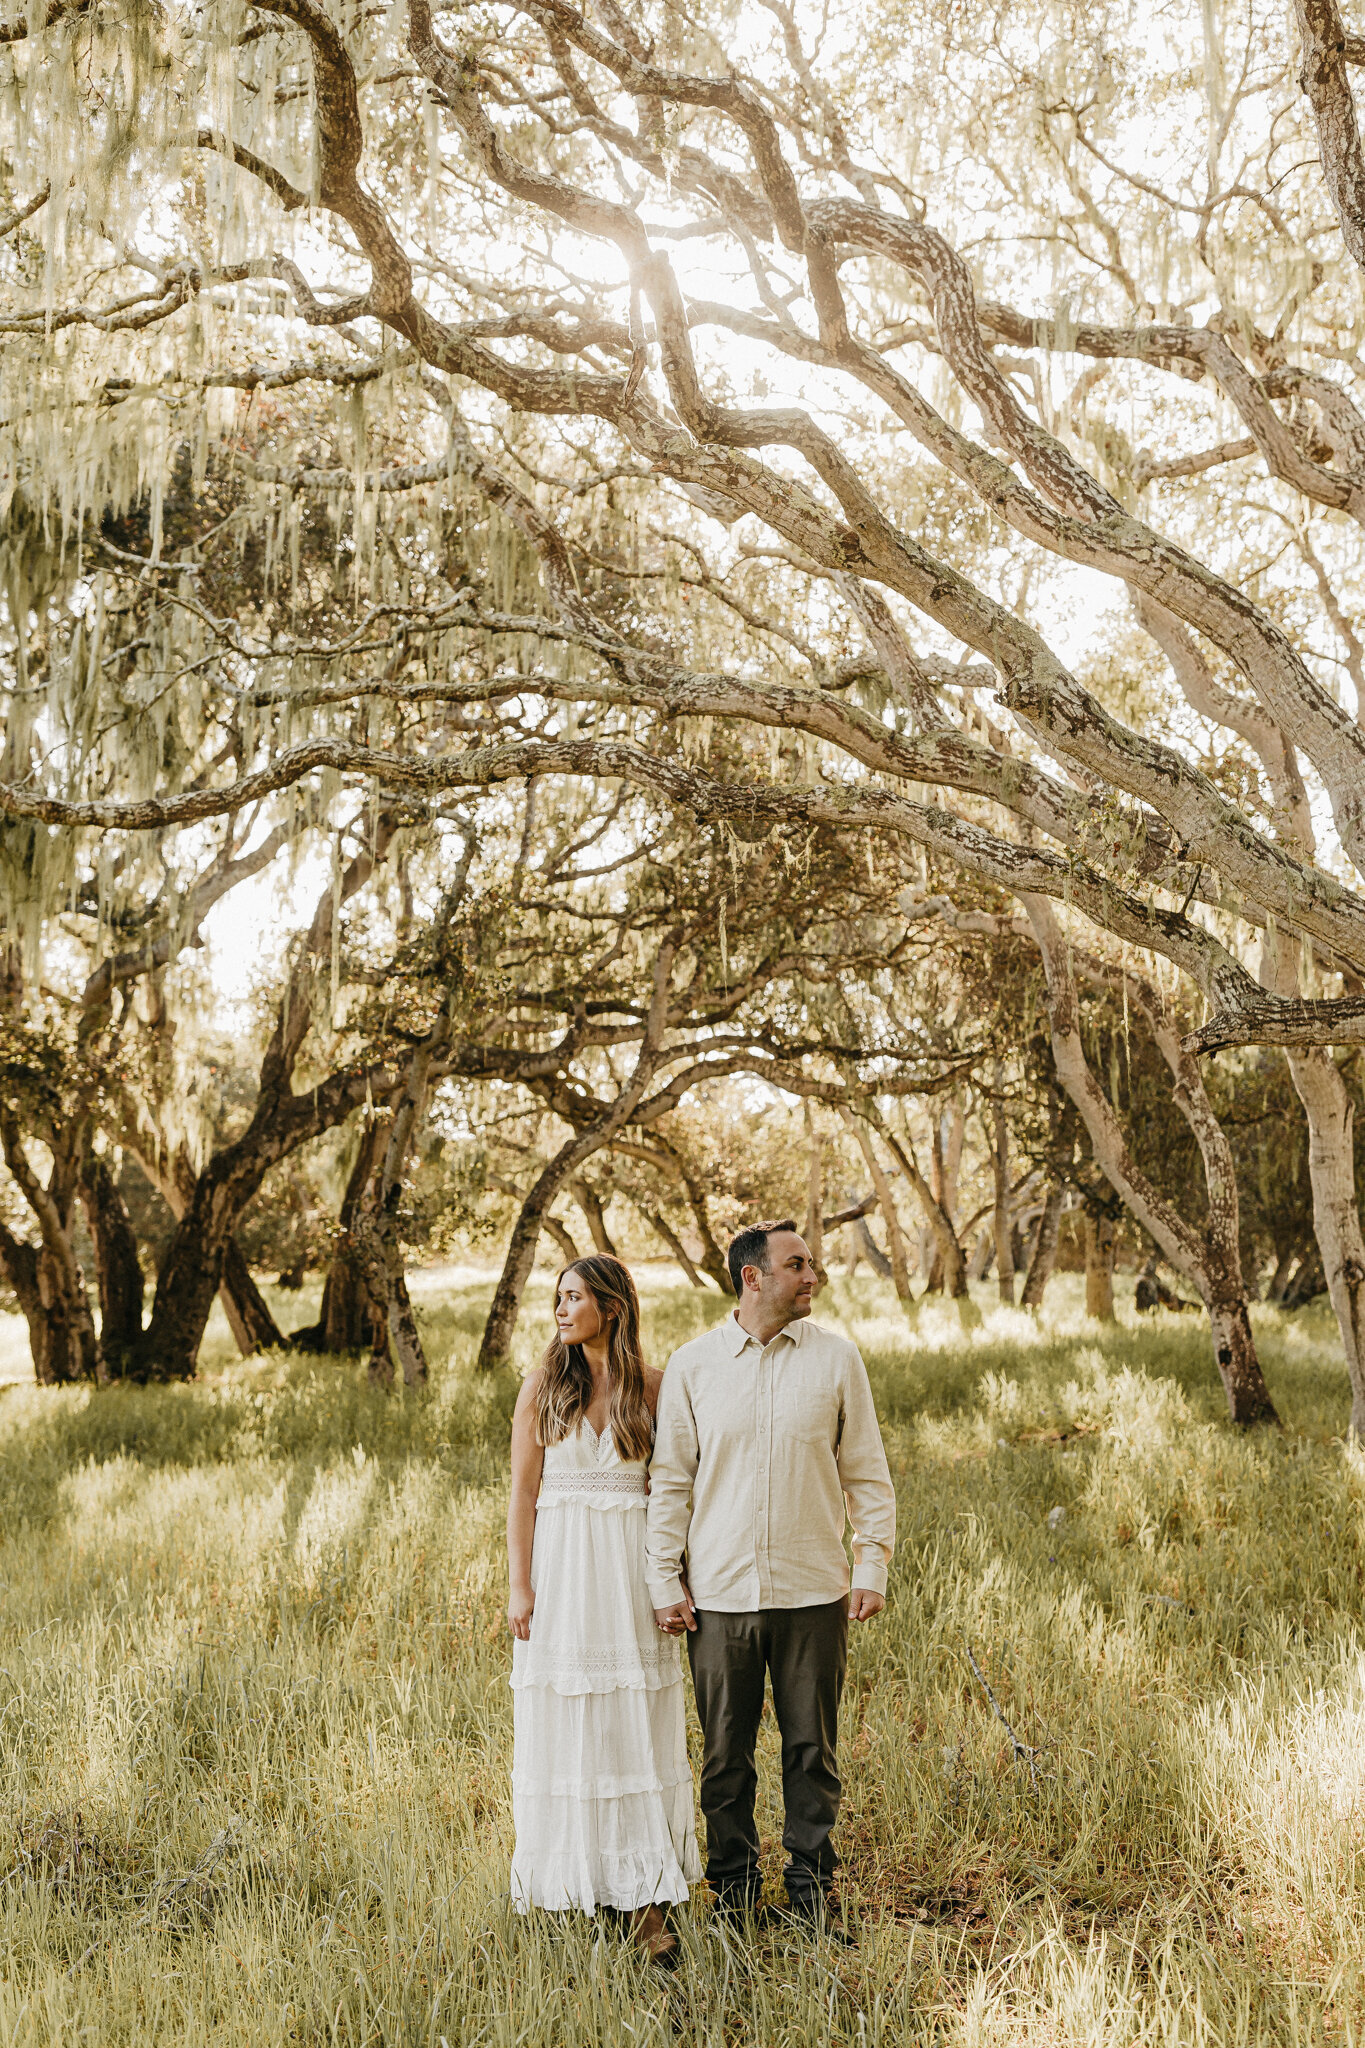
column 530, row 1389
column 654, row 1379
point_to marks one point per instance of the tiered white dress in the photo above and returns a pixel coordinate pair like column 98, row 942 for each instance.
column 601, row 1790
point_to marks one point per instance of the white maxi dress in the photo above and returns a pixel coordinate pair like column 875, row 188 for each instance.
column 601, row 1789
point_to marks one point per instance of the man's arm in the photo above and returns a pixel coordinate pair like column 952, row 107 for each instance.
column 672, row 1470
column 866, row 1480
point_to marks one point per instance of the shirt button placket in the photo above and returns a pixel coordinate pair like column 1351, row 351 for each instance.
column 765, row 1478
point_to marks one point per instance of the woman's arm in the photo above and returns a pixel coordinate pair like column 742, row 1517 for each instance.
column 527, row 1459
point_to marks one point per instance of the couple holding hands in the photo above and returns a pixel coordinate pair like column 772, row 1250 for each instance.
column 705, row 1502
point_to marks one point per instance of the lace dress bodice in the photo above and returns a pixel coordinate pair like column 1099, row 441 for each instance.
column 593, row 1627
column 588, row 1470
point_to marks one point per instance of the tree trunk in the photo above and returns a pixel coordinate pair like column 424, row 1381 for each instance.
column 520, row 1256
column 190, row 1275
column 248, row 1311
column 661, row 1226
column 344, row 1315
column 20, row 1261
column 1330, row 1114
column 404, row 1332
column 949, row 1135
column 815, row 1199
column 1336, row 1214
column 253, row 1327
column 343, row 1318
column 343, row 1322
column 62, row 1333
column 1278, row 1282
column 568, row 1250
column 378, row 1240
column 69, row 1350
column 1044, row 1250
column 393, row 1329
column 574, row 1153
column 1210, row 1259
column 379, row 1372
column 590, row 1203
column 1004, row 1241
column 1100, row 1233
column 982, row 1255
column 712, row 1257
column 947, row 1250
column 118, row 1269
column 192, row 1271
column 212, row 1201
column 871, row 1250
column 894, row 1242
column 1234, row 1349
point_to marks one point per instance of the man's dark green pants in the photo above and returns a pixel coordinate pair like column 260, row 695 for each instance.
column 804, row 1650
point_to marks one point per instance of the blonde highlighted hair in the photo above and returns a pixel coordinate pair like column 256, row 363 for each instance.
column 565, row 1390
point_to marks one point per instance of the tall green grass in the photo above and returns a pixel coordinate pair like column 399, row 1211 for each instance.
column 255, row 1726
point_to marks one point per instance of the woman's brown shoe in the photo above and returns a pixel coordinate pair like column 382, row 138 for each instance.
column 649, row 1932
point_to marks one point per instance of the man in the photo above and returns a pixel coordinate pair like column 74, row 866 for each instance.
column 765, row 1429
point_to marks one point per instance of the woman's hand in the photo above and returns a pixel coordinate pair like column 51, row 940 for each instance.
column 520, row 1608
column 527, row 1460
column 681, row 1617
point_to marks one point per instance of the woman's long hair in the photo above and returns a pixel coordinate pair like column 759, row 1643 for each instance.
column 565, row 1390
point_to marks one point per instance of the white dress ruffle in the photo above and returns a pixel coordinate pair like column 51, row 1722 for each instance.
column 601, row 1789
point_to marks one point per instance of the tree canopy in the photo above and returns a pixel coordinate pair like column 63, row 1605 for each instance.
column 702, row 525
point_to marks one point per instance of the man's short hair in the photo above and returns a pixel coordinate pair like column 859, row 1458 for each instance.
column 750, row 1248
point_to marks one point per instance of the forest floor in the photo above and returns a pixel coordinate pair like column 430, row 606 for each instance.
column 255, row 1726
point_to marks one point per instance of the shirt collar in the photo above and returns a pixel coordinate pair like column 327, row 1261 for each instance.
column 739, row 1338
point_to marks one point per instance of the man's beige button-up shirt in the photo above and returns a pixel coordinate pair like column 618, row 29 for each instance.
column 758, row 1446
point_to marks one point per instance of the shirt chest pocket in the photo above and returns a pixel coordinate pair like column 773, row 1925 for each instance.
column 804, row 1413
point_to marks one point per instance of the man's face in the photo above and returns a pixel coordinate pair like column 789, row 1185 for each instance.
column 788, row 1287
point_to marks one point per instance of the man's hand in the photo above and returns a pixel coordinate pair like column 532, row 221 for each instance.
column 681, row 1615
column 862, row 1605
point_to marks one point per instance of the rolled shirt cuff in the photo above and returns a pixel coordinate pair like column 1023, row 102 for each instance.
column 869, row 1577
column 668, row 1592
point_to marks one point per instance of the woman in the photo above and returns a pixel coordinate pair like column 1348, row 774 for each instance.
column 601, row 1791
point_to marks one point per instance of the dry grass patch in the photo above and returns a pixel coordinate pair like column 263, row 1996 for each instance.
column 1102, row 1753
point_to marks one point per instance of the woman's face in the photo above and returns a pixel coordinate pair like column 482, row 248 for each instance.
column 577, row 1316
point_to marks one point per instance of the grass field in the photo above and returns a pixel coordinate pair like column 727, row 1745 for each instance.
column 255, row 1725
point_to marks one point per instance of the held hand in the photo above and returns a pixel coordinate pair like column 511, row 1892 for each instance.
column 862, row 1605
column 681, row 1615
column 520, row 1608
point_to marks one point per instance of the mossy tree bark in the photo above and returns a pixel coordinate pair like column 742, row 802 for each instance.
column 118, row 1268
